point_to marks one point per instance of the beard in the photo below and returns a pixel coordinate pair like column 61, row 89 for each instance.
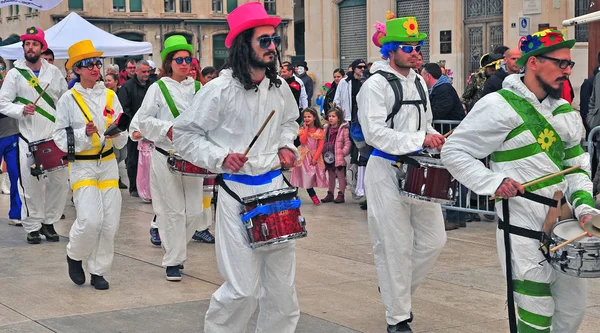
column 555, row 93
column 32, row 59
column 400, row 63
column 257, row 62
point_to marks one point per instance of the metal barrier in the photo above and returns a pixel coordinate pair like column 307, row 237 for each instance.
column 590, row 143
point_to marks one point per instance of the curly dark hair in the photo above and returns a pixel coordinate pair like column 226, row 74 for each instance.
column 239, row 61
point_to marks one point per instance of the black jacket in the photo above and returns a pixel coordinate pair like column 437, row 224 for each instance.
column 494, row 82
column 586, row 90
column 131, row 95
column 445, row 103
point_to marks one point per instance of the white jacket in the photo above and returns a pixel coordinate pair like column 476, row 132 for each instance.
column 303, row 102
column 35, row 127
column 343, row 97
column 154, row 116
column 485, row 131
column 224, row 118
column 375, row 104
column 71, row 115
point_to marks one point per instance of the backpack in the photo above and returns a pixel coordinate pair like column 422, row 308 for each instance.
column 355, row 128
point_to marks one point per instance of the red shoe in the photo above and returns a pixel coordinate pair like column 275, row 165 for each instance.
column 315, row 200
column 328, row 197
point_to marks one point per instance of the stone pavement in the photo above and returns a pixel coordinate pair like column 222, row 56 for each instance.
column 335, row 280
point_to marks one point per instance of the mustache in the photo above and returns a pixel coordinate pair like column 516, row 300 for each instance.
column 562, row 78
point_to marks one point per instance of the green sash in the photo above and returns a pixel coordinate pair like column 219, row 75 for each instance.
column 36, row 86
column 169, row 99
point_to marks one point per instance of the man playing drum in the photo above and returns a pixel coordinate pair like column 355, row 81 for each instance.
column 530, row 132
column 407, row 234
column 32, row 77
column 219, row 125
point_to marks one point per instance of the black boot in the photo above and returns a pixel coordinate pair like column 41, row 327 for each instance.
column 400, row 327
column 98, row 282
column 76, row 271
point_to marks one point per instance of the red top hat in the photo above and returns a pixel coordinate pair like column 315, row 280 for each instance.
column 37, row 34
column 247, row 16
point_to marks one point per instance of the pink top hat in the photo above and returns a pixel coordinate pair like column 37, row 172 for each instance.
column 247, row 16
column 37, row 34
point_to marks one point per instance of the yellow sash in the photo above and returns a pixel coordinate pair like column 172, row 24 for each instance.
column 88, row 117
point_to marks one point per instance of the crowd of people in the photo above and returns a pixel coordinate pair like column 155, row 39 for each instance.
column 366, row 123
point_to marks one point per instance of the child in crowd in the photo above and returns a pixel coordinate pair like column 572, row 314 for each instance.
column 336, row 148
column 321, row 98
column 310, row 169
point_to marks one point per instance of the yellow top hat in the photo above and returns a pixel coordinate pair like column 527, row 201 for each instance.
column 80, row 51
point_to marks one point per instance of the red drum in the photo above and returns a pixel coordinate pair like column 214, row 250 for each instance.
column 178, row 165
column 210, row 184
column 273, row 217
column 47, row 156
column 429, row 181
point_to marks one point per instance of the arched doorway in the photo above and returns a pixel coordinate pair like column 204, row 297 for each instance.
column 132, row 36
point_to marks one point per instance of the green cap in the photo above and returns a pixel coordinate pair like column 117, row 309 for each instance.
column 542, row 42
column 176, row 43
column 402, row 29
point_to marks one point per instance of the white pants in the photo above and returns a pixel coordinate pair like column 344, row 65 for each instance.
column 98, row 203
column 43, row 197
column 407, row 235
column 177, row 201
column 263, row 276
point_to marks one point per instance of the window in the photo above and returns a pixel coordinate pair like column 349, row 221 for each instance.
column 231, row 5
column 270, row 6
column 217, row 6
column 118, row 5
column 185, row 6
column 582, row 7
column 13, row 10
column 76, row 4
column 169, row 6
column 135, row 6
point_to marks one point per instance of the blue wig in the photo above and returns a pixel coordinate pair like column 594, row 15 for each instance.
column 389, row 47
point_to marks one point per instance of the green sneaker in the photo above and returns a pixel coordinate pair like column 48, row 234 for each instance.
column 34, row 237
column 49, row 232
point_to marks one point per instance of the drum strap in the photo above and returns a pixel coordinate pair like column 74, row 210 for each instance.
column 162, row 151
column 70, row 144
column 511, row 229
column 95, row 157
column 24, row 138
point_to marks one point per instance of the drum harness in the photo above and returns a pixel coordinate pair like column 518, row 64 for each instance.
column 545, row 242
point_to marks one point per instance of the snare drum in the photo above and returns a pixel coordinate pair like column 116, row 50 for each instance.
column 273, row 217
column 47, row 156
column 179, row 165
column 429, row 181
column 580, row 258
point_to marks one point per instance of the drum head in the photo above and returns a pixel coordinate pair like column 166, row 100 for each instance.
column 570, row 228
column 590, row 226
column 429, row 161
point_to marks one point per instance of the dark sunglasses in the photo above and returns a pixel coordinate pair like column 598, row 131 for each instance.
column 265, row 42
column 562, row 63
column 180, row 60
column 361, row 67
column 89, row 64
column 2, row 68
column 410, row 48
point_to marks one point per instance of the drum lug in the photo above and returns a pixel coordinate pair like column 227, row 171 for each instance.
column 248, row 224
column 450, row 194
column 33, row 148
column 425, row 172
column 423, row 186
column 264, row 230
column 302, row 221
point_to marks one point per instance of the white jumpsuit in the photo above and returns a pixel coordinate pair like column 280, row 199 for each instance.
column 95, row 183
column 526, row 150
column 225, row 119
column 407, row 234
column 176, row 199
column 43, row 197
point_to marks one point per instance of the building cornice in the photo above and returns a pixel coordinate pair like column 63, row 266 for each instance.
column 152, row 20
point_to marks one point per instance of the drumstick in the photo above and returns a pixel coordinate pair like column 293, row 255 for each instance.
column 449, row 132
column 40, row 96
column 259, row 132
column 583, row 234
column 533, row 182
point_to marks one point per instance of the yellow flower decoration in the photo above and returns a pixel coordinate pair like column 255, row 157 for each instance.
column 31, row 31
column 33, row 82
column 411, row 26
column 546, row 139
column 541, row 33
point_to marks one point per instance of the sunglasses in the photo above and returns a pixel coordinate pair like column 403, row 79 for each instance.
column 410, row 48
column 2, row 68
column 361, row 67
column 562, row 63
column 265, row 42
column 180, row 60
column 89, row 64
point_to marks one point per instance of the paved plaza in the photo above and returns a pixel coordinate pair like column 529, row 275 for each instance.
column 335, row 280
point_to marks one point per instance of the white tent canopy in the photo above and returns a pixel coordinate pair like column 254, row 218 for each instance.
column 73, row 29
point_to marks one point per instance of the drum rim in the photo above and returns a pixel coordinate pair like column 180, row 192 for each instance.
column 420, row 197
column 428, row 164
column 279, row 240
column 41, row 141
column 559, row 239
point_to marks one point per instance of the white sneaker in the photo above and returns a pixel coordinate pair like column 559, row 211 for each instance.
column 4, row 183
column 16, row 223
